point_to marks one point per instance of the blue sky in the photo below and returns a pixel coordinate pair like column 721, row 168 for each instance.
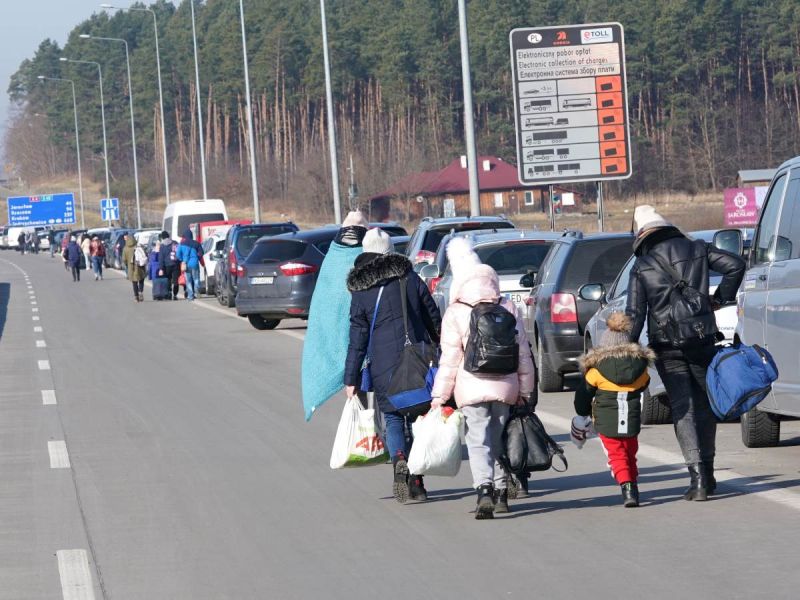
column 25, row 23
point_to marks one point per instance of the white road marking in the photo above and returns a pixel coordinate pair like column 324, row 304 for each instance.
column 35, row 318
column 49, row 397
column 44, row 365
column 34, row 303
column 34, row 310
column 294, row 334
column 37, row 329
column 76, row 578
column 59, row 458
column 41, row 344
column 731, row 479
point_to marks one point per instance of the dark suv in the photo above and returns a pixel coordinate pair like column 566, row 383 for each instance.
column 425, row 242
column 555, row 316
column 238, row 244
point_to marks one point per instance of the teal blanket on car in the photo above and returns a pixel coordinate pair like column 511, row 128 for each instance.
column 328, row 334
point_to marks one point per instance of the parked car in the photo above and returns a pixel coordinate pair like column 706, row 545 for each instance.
column 239, row 241
column 555, row 316
column 178, row 216
column 426, row 239
column 143, row 236
column 279, row 275
column 769, row 303
column 213, row 251
column 4, row 237
column 400, row 243
column 114, row 258
column 655, row 404
column 514, row 254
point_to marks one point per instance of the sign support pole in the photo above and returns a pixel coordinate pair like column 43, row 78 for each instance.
column 601, row 219
column 337, row 202
column 469, row 124
column 552, row 208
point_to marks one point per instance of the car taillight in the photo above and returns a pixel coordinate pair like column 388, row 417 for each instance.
column 241, row 271
column 292, row 269
column 232, row 262
column 425, row 256
column 563, row 309
column 433, row 283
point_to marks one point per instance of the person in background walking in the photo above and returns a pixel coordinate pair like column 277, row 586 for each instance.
column 97, row 252
column 35, row 242
column 64, row 243
column 378, row 271
column 51, row 240
column 168, row 265
column 152, row 262
column 484, row 399
column 190, row 255
column 683, row 370
column 131, row 258
column 21, row 242
column 73, row 256
column 86, row 244
column 609, row 397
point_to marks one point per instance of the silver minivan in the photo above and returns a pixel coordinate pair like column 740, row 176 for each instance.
column 768, row 303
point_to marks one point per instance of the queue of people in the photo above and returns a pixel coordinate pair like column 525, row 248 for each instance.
column 390, row 308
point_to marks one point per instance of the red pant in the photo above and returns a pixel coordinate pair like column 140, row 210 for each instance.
column 621, row 454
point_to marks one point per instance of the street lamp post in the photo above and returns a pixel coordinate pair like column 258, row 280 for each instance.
column 337, row 203
column 102, row 113
column 86, row 36
column 199, row 107
column 77, row 140
column 253, row 177
column 160, row 92
column 469, row 125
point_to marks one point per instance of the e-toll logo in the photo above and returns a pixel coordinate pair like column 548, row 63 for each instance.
column 597, row 36
column 562, row 39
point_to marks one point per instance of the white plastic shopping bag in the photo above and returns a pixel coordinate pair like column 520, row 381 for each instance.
column 437, row 443
column 357, row 442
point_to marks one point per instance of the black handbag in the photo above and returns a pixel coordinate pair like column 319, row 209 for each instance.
column 526, row 445
column 409, row 390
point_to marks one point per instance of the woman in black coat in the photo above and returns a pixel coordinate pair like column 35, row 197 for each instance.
column 379, row 268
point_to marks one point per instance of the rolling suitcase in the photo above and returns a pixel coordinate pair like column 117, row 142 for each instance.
column 160, row 288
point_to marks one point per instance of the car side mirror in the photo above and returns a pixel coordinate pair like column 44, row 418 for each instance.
column 419, row 266
column 429, row 272
column 729, row 240
column 593, row 292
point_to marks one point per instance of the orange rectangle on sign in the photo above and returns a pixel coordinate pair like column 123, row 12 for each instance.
column 612, row 149
column 608, row 84
column 612, row 133
column 610, row 116
column 613, row 166
column 613, row 100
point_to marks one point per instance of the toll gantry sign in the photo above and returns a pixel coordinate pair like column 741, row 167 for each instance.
column 570, row 101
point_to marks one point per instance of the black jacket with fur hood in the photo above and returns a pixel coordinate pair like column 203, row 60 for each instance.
column 370, row 273
column 614, row 379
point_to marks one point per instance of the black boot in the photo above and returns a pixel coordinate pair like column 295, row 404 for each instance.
column 698, row 485
column 485, row 507
column 416, row 487
column 501, row 501
column 708, row 468
column 630, row 494
column 400, row 485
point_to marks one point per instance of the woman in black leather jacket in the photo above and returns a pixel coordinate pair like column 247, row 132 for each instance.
column 682, row 369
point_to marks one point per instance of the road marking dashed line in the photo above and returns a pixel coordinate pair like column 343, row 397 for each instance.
column 35, row 318
column 76, row 578
column 35, row 310
column 49, row 397
column 38, row 329
column 44, row 365
column 41, row 344
column 59, row 457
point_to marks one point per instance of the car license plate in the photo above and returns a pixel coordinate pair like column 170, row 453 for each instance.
column 515, row 297
column 261, row 280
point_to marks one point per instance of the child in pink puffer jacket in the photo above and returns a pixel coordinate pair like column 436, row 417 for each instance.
column 484, row 399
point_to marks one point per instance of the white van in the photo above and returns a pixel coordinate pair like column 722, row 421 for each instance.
column 179, row 215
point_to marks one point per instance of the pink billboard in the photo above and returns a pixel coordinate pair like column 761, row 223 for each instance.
column 741, row 208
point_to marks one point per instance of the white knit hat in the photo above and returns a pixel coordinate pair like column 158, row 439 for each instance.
column 646, row 217
column 355, row 218
column 377, row 241
column 461, row 256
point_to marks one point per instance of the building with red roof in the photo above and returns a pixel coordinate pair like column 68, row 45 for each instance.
column 445, row 193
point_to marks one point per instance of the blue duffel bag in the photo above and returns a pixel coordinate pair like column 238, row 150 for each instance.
column 738, row 378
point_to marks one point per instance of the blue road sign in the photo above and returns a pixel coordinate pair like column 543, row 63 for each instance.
column 109, row 209
column 48, row 209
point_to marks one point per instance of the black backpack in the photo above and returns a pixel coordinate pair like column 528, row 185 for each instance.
column 691, row 318
column 492, row 346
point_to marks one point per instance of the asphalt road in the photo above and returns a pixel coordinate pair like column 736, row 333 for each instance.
column 176, row 464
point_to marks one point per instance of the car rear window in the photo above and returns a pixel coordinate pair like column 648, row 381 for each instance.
column 516, row 257
column 598, row 261
column 394, row 230
column 248, row 237
column 185, row 220
column 436, row 235
column 277, row 251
